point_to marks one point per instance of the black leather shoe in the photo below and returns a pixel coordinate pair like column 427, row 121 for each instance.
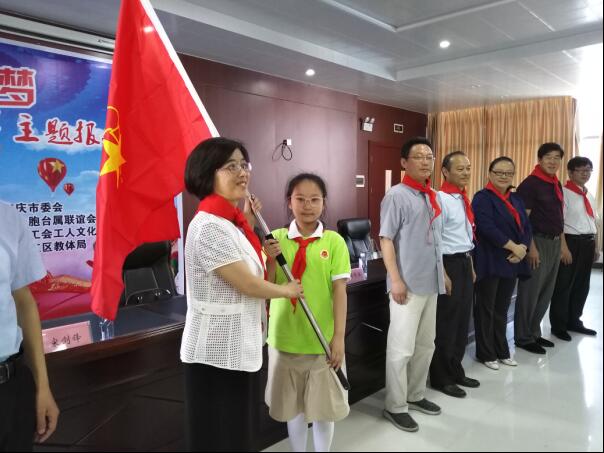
column 562, row 335
column 545, row 343
column 532, row 347
column 453, row 390
column 468, row 382
column 583, row 330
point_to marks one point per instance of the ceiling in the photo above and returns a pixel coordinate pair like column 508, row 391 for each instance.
column 384, row 51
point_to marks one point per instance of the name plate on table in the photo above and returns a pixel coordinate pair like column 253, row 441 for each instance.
column 65, row 337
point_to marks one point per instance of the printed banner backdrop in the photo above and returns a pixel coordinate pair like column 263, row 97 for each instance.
column 52, row 113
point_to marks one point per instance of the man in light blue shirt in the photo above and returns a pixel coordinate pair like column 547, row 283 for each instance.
column 453, row 310
column 27, row 406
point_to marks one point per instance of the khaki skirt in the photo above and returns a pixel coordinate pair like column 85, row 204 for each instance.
column 303, row 383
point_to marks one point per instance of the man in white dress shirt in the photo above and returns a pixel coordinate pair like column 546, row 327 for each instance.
column 28, row 410
column 453, row 310
column 578, row 253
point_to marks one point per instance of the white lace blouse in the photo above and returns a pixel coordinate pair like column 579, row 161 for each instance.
column 223, row 328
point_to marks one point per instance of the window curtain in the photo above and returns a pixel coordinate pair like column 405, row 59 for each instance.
column 518, row 129
column 513, row 129
column 459, row 130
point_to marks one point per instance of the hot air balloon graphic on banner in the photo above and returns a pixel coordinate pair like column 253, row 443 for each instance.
column 68, row 188
column 52, row 171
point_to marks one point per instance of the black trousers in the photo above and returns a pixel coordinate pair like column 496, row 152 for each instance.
column 18, row 410
column 452, row 320
column 219, row 408
column 491, row 305
column 572, row 284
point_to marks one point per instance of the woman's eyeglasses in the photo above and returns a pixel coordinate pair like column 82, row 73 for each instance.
column 236, row 168
column 501, row 174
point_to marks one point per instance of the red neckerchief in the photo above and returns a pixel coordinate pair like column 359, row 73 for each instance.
column 449, row 188
column 539, row 173
column 299, row 265
column 506, row 201
column 219, row 206
column 408, row 181
column 576, row 189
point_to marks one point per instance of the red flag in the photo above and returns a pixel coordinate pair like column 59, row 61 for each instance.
column 154, row 119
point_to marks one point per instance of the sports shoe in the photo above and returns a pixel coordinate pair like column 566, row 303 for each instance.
column 403, row 421
column 425, row 406
column 509, row 362
column 493, row 365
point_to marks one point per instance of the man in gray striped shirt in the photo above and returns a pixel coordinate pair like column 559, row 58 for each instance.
column 411, row 244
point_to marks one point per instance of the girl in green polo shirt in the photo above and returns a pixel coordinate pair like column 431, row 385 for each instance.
column 301, row 387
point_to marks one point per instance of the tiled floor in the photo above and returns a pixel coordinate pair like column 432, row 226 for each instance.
column 547, row 403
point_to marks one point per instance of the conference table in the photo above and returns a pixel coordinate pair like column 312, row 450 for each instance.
column 123, row 391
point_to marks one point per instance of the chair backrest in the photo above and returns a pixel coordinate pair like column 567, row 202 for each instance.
column 147, row 274
column 356, row 233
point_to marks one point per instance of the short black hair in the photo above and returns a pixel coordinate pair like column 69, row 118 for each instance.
column 205, row 159
column 406, row 149
column 501, row 159
column 291, row 185
column 577, row 162
column 449, row 157
column 548, row 148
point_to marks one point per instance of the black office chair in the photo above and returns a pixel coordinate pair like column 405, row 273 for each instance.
column 356, row 233
column 147, row 274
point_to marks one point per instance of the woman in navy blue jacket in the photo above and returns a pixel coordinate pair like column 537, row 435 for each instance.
column 503, row 234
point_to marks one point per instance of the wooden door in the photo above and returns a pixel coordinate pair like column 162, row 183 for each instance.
column 384, row 170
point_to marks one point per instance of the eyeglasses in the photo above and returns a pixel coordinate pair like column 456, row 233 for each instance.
column 429, row 158
column 502, row 174
column 584, row 171
column 236, row 168
column 314, row 202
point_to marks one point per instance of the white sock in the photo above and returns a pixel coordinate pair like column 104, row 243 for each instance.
column 297, row 428
column 322, row 433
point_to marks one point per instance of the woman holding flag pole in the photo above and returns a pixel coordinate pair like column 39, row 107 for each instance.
column 226, row 290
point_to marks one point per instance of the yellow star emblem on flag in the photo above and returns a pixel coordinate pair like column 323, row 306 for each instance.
column 112, row 145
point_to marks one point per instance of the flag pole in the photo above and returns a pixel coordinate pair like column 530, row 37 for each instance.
column 309, row 315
